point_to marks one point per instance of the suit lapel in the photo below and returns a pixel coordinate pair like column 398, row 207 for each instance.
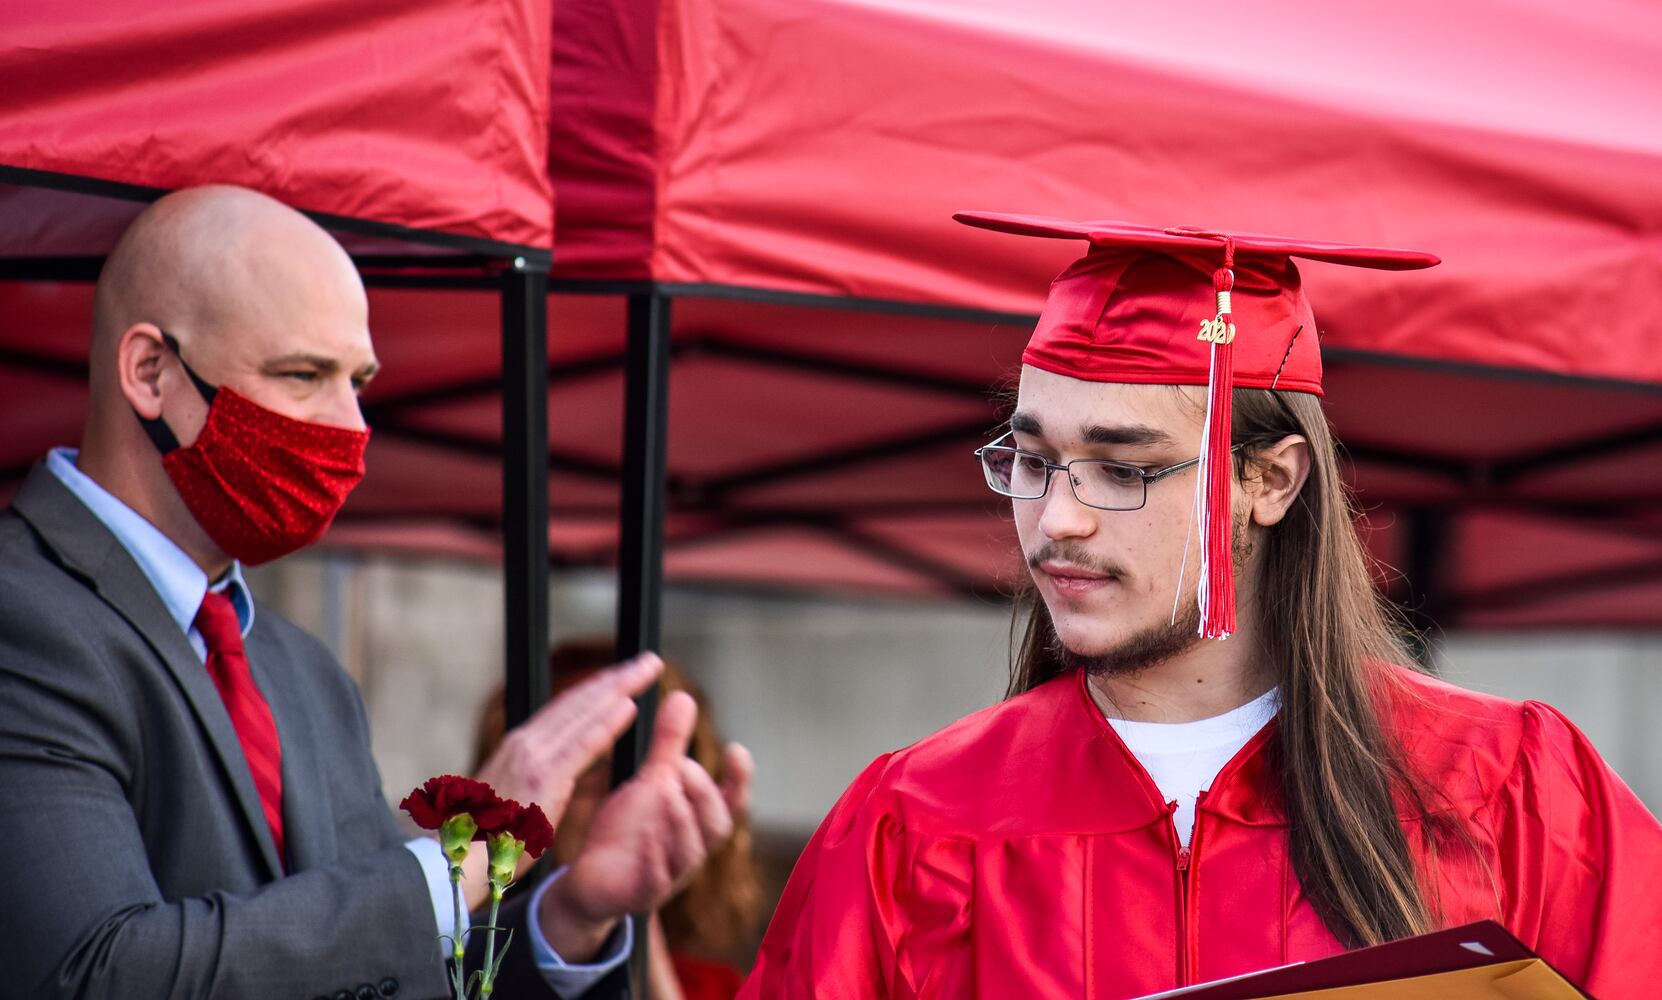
column 89, row 550
column 307, row 825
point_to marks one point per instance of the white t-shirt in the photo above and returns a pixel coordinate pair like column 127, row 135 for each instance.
column 1184, row 757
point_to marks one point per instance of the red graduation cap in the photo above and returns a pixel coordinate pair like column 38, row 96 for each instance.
column 1163, row 307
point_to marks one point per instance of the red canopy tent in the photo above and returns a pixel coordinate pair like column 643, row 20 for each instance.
column 425, row 124
column 766, row 189
column 784, row 175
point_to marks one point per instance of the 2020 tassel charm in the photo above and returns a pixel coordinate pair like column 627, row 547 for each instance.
column 1216, row 473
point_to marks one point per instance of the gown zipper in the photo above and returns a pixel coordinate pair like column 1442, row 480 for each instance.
column 1184, row 858
column 1190, row 948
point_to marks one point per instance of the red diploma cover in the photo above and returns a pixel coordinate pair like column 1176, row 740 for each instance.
column 1478, row 960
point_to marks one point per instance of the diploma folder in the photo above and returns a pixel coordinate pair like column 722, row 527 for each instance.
column 1480, row 961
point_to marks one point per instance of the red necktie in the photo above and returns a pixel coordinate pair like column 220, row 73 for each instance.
column 256, row 729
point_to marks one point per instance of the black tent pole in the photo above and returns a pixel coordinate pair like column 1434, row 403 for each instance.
column 641, row 538
column 525, row 486
column 1426, row 603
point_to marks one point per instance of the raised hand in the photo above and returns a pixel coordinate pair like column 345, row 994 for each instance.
column 540, row 760
column 648, row 838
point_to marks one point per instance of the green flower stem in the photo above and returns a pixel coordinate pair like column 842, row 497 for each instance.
column 457, row 950
column 488, row 983
column 456, row 910
column 455, row 834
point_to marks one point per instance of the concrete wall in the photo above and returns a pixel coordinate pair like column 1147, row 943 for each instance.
column 817, row 688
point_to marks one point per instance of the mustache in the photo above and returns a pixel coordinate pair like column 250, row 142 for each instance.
column 1073, row 554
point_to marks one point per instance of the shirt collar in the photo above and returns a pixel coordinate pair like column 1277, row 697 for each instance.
column 1233, row 728
column 180, row 583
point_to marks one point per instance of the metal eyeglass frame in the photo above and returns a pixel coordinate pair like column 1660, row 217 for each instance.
column 1051, row 468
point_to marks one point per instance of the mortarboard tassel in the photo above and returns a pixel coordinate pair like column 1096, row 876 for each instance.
column 1216, row 472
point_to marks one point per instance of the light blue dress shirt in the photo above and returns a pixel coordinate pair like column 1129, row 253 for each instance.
column 181, row 584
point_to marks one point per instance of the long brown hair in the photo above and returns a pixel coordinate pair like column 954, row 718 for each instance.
column 1332, row 637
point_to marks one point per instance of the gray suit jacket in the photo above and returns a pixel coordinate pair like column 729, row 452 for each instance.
column 134, row 859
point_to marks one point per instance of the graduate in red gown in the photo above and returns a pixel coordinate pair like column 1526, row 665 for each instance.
column 1212, row 759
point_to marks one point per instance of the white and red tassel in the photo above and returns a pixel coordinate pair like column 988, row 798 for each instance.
column 1216, row 471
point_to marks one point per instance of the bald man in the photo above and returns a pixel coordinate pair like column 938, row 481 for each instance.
column 188, row 806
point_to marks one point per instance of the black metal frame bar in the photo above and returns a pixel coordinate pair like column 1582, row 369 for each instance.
column 47, row 365
column 1523, row 593
column 1601, row 446
column 64, row 269
column 714, row 345
column 743, row 293
column 1426, row 601
column 473, row 445
column 641, row 538
column 524, row 290
column 454, row 242
column 844, row 457
column 908, row 560
column 424, row 271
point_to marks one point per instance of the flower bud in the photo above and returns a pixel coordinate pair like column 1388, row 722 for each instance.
column 455, row 834
column 505, row 852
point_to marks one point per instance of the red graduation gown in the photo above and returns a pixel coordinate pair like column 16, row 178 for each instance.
column 1023, row 851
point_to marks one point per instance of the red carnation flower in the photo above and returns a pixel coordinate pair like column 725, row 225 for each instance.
column 527, row 833
column 450, row 795
column 532, row 828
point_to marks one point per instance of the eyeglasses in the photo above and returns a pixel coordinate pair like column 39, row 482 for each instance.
column 1099, row 483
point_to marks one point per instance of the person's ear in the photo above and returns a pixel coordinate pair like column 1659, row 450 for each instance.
column 1281, row 469
column 139, row 357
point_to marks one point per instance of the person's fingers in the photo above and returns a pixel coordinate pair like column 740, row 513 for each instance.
column 574, row 707
column 571, row 729
column 596, row 695
column 664, row 822
column 637, row 673
column 571, row 732
column 687, row 847
column 715, row 822
column 585, row 745
column 673, row 732
column 738, row 771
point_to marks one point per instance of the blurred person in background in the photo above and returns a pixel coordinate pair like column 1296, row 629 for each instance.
column 694, row 933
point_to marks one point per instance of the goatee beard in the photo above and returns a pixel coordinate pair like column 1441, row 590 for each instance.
column 1145, row 649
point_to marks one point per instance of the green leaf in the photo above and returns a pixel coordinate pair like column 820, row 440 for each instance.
column 496, row 964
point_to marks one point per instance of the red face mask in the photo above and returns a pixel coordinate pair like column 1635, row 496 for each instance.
column 259, row 483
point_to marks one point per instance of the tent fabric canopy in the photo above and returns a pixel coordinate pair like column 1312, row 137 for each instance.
column 1501, row 411
column 787, row 173
column 427, row 117
column 823, row 146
